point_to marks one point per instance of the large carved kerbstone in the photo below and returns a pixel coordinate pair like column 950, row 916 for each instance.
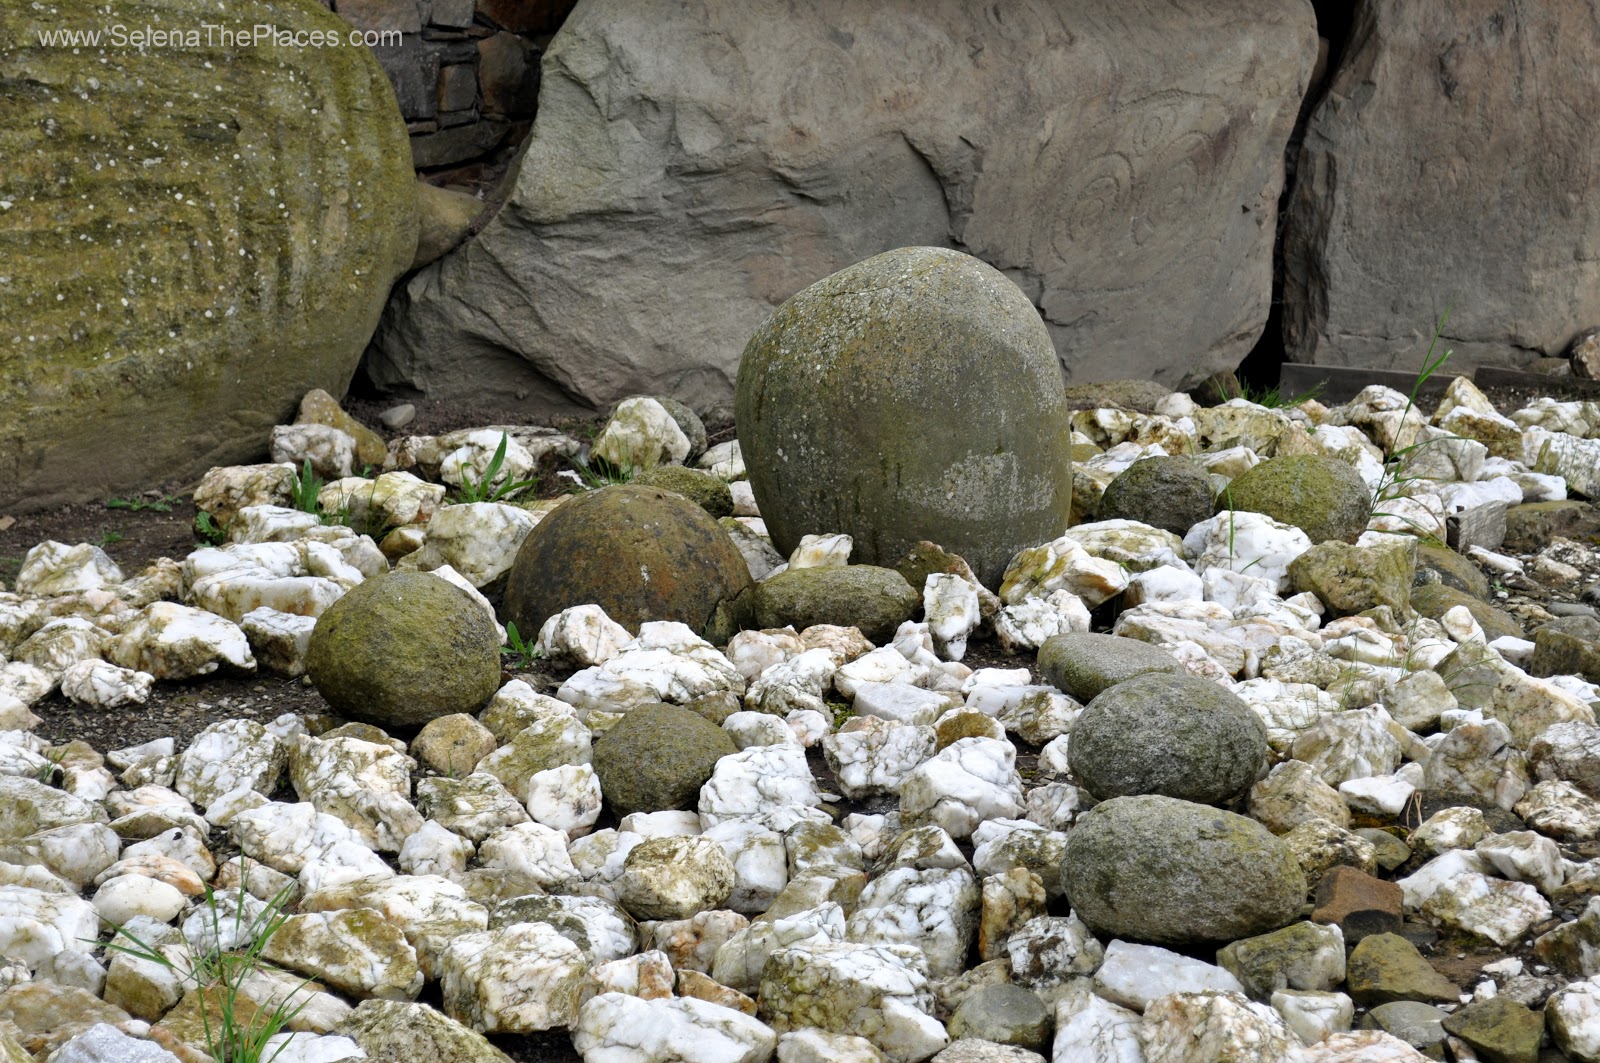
column 193, row 234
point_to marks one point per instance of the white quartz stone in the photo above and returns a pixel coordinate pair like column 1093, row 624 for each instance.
column 971, row 780
column 1136, row 975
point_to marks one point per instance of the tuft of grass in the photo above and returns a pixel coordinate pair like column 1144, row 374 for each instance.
column 109, row 537
column 597, row 472
column 163, row 504
column 519, row 652
column 1397, row 459
column 237, row 1034
column 483, row 489
column 1272, row 398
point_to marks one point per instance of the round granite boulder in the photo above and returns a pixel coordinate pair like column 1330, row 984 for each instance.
column 1171, row 872
column 640, row 553
column 402, row 649
column 1082, row 663
column 1174, row 735
column 1322, row 496
column 1171, row 493
column 913, row 396
column 657, row 757
column 701, row 488
column 875, row 600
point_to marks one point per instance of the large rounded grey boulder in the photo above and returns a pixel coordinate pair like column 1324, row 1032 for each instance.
column 1162, row 870
column 1170, row 493
column 1323, row 496
column 1174, row 735
column 876, row 600
column 913, row 396
column 640, row 553
column 657, row 757
column 1083, row 663
column 164, row 311
column 403, row 649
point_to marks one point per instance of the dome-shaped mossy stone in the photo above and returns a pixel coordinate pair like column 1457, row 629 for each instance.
column 1171, row 872
column 657, row 757
column 876, row 600
column 402, row 649
column 701, row 488
column 1081, row 663
column 1173, row 735
column 1171, row 493
column 640, row 553
column 1322, row 496
column 1440, row 564
column 913, row 396
column 1433, row 600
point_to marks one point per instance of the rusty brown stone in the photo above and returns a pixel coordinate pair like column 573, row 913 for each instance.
column 1359, row 904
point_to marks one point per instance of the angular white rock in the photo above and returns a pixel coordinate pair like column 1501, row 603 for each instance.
column 871, row 756
column 478, row 540
column 641, row 434
column 822, row 551
column 566, row 798
column 627, row 1029
column 172, row 641
column 1064, row 564
column 518, row 979
column 1246, row 542
column 1209, row 1025
column 950, row 606
column 582, row 636
column 762, row 783
column 101, row 685
column 50, row 569
column 968, row 782
column 1136, row 975
column 935, row 910
column 279, row 641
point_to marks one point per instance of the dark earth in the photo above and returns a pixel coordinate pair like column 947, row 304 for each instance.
column 137, row 529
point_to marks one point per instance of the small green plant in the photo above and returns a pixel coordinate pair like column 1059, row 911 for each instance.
column 47, row 771
column 1397, row 458
column 240, row 1031
column 163, row 504
column 307, row 486
column 519, row 652
column 206, row 529
column 109, row 537
column 483, row 489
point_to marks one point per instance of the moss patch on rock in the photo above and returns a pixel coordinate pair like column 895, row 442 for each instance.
column 657, row 757
column 1322, row 496
column 876, row 600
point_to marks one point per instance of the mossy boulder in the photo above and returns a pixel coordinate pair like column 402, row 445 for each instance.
column 913, row 396
column 1440, row 564
column 1569, row 645
column 402, row 1030
column 402, row 649
column 1532, row 526
column 640, row 553
column 657, row 757
column 194, row 238
column 1166, row 871
column 1433, row 600
column 1082, row 664
column 1174, row 735
column 1173, row 494
column 1350, row 579
column 876, row 600
column 1322, row 496
column 701, row 488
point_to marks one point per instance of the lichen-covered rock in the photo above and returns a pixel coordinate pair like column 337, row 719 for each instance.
column 874, row 600
column 1323, row 496
column 518, row 979
column 831, row 448
column 703, row 489
column 355, row 951
column 1211, row 1025
column 1158, row 869
column 403, row 649
column 674, row 878
column 657, row 757
column 366, row 784
column 879, row 992
column 389, row 1029
column 640, row 553
column 1168, row 734
column 157, row 388
column 1350, row 579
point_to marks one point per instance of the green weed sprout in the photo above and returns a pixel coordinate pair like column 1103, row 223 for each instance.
column 483, row 489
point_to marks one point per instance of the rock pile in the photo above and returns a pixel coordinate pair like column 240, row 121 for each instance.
column 835, row 837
